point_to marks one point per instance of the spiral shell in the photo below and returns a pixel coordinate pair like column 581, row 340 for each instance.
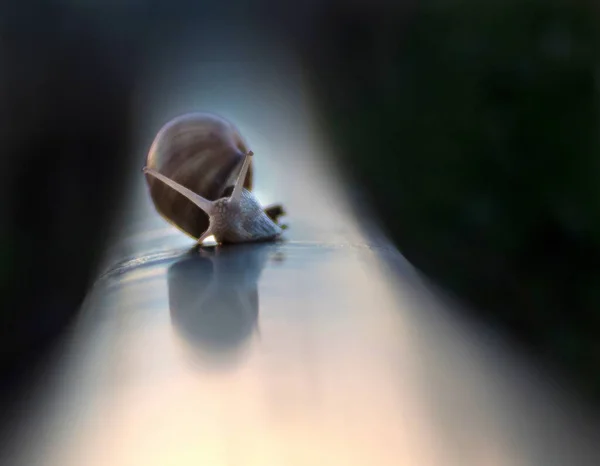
column 202, row 152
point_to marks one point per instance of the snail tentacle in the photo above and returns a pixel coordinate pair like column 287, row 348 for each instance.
column 236, row 195
column 206, row 205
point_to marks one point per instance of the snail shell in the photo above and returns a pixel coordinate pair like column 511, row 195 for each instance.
column 202, row 152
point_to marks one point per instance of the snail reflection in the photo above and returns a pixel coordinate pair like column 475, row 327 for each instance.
column 213, row 299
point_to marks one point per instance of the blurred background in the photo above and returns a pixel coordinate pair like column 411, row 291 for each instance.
column 468, row 130
column 471, row 129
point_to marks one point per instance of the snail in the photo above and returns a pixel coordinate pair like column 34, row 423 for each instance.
column 200, row 176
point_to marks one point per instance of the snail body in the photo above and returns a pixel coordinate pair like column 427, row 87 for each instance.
column 199, row 174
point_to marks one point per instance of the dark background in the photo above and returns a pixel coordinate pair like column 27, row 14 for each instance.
column 471, row 130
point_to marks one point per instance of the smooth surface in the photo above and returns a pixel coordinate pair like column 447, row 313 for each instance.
column 322, row 349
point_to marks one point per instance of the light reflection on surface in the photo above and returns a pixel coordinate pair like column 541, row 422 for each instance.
column 318, row 374
column 350, row 367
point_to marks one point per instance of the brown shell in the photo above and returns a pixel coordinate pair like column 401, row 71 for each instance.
column 204, row 153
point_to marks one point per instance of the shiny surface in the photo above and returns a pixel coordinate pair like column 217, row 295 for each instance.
column 321, row 349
